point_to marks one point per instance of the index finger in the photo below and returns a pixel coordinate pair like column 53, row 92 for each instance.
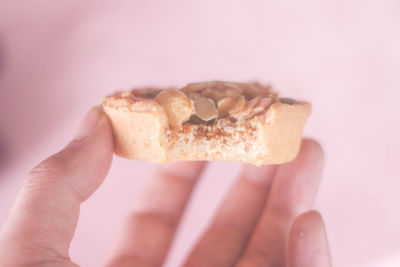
column 150, row 228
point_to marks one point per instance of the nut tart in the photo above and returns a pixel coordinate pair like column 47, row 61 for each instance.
column 211, row 121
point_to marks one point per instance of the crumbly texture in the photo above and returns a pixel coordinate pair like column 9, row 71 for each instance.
column 270, row 136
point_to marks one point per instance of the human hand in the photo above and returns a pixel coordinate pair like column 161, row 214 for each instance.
column 263, row 221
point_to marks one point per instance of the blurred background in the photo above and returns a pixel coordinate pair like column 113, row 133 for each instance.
column 59, row 58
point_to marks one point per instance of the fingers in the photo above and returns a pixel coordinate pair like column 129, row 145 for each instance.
column 45, row 215
column 308, row 246
column 150, row 229
column 293, row 191
column 225, row 239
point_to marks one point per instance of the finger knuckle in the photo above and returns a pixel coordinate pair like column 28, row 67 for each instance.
column 50, row 168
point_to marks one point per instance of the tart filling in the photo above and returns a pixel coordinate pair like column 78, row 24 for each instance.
column 210, row 102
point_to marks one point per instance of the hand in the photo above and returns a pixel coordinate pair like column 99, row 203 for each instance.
column 263, row 221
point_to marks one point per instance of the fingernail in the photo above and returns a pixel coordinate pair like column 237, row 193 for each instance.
column 187, row 169
column 262, row 174
column 88, row 124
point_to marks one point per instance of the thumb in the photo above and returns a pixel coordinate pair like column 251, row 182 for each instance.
column 44, row 217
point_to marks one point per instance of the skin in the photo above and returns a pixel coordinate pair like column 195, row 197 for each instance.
column 264, row 220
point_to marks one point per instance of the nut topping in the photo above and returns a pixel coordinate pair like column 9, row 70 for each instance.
column 240, row 105
column 201, row 103
column 224, row 105
column 125, row 94
column 253, row 107
column 177, row 106
column 205, row 108
column 254, row 102
column 213, row 94
column 146, row 93
column 261, row 105
column 197, row 87
column 232, row 93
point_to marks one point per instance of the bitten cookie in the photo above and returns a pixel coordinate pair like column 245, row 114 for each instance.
column 212, row 121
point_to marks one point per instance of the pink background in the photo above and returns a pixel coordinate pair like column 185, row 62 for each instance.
column 58, row 58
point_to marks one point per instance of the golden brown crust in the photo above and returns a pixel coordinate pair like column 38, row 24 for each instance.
column 139, row 128
column 142, row 132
